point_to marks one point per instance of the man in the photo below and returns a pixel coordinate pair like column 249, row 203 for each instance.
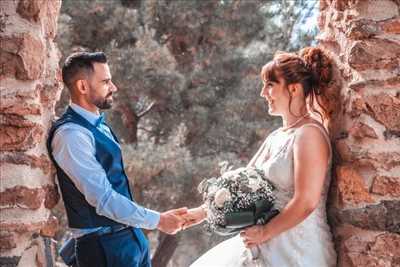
column 101, row 212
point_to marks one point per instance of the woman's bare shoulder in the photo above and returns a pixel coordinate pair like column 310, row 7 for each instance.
column 312, row 136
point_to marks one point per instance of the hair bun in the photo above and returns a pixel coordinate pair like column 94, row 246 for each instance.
column 320, row 66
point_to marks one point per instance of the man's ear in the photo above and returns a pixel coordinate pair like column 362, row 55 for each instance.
column 82, row 87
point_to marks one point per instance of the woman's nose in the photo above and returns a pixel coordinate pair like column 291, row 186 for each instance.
column 263, row 92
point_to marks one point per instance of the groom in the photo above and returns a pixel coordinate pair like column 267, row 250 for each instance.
column 104, row 218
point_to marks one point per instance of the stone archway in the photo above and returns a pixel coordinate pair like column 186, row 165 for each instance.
column 363, row 37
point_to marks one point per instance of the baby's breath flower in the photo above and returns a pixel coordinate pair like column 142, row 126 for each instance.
column 221, row 196
column 234, row 191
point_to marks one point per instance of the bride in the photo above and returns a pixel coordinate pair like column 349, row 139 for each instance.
column 297, row 158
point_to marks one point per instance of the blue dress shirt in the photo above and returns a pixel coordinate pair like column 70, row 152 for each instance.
column 74, row 151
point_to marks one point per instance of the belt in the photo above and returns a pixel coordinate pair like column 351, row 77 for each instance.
column 104, row 231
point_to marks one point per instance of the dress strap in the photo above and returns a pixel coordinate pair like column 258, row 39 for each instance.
column 325, row 134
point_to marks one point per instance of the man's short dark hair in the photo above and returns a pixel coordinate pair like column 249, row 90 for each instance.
column 80, row 63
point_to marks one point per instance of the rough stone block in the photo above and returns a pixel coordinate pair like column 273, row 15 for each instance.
column 341, row 5
column 21, row 56
column 50, row 94
column 29, row 198
column 384, row 216
column 361, row 247
column 18, row 134
column 386, row 186
column 343, row 150
column 385, row 109
column 19, row 158
column 392, row 82
column 361, row 130
column 391, row 26
column 351, row 188
column 25, row 227
column 376, row 10
column 20, row 97
column 357, row 107
column 362, row 29
column 29, row 9
column 8, row 106
column 23, row 197
column 374, row 54
column 384, row 160
column 359, row 155
column 51, row 196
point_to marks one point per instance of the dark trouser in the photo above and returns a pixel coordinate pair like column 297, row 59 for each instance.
column 126, row 248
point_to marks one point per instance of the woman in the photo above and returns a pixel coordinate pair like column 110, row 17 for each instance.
column 297, row 159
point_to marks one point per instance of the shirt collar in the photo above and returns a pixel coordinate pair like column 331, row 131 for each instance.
column 89, row 116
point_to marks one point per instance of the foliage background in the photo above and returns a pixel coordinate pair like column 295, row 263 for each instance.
column 188, row 79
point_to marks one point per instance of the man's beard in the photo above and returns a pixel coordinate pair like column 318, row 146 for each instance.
column 103, row 103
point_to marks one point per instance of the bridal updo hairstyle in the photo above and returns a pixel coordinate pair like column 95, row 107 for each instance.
column 310, row 67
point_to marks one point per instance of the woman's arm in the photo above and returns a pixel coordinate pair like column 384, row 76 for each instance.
column 311, row 153
column 195, row 216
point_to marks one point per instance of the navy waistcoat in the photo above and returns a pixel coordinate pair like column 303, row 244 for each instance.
column 80, row 213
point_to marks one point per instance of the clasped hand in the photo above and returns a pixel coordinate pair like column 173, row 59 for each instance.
column 175, row 220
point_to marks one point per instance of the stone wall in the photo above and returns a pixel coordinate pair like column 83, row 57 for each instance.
column 29, row 88
column 364, row 38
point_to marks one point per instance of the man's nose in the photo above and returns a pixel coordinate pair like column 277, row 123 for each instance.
column 113, row 87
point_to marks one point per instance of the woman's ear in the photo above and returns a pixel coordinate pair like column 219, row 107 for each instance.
column 294, row 89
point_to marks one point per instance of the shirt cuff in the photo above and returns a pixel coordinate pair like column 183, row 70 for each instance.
column 152, row 219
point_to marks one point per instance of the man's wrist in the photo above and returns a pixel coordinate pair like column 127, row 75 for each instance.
column 153, row 219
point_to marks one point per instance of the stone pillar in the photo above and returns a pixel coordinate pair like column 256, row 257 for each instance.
column 29, row 87
column 364, row 38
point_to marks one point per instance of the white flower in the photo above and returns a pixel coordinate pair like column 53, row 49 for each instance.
column 254, row 184
column 252, row 172
column 233, row 174
column 221, row 197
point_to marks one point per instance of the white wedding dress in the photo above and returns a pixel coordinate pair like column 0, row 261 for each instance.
column 307, row 244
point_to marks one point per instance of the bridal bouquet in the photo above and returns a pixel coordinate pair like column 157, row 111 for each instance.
column 237, row 199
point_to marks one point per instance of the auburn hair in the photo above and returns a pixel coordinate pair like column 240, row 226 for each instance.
column 311, row 67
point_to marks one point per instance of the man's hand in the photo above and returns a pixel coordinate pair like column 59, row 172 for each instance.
column 172, row 221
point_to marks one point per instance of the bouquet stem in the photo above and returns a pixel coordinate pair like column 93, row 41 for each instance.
column 256, row 257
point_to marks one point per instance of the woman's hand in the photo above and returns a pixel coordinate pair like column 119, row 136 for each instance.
column 194, row 216
column 254, row 235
